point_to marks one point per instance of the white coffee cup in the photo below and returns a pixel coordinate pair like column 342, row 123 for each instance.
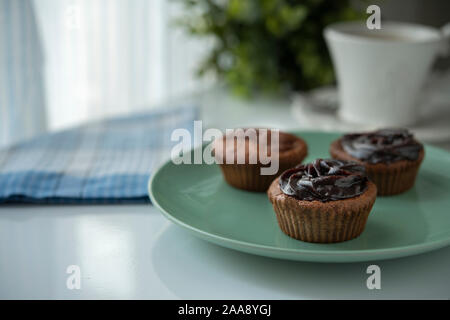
column 380, row 73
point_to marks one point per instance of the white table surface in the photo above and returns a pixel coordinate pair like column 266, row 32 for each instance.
column 133, row 252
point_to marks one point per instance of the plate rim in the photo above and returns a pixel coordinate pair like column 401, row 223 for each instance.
column 217, row 239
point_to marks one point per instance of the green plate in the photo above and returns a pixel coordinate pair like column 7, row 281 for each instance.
column 197, row 198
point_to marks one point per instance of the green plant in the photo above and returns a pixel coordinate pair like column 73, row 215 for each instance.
column 267, row 45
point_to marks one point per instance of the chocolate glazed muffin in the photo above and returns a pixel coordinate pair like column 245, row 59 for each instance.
column 247, row 176
column 392, row 157
column 324, row 201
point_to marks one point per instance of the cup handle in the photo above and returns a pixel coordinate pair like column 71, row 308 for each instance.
column 445, row 31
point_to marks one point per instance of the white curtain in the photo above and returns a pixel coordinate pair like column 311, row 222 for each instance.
column 22, row 109
column 109, row 57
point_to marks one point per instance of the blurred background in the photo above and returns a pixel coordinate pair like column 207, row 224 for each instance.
column 66, row 62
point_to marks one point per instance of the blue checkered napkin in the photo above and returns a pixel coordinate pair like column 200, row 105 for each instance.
column 102, row 162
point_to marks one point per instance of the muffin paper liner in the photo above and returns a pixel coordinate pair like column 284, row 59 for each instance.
column 328, row 222
column 394, row 180
column 248, row 176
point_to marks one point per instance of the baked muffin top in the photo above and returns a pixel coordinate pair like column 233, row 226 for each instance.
column 253, row 139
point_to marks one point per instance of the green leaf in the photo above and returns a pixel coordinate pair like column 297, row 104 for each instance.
column 266, row 45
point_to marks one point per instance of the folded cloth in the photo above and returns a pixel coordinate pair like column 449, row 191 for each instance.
column 109, row 161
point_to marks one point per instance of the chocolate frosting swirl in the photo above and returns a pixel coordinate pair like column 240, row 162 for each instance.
column 386, row 145
column 324, row 180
